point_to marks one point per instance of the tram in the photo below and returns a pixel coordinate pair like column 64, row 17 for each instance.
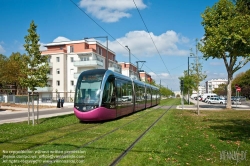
column 102, row 95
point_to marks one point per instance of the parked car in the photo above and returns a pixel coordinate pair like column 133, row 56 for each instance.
column 222, row 100
column 207, row 95
column 213, row 100
column 236, row 101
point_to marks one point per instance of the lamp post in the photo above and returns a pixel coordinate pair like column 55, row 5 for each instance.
column 129, row 60
column 106, row 63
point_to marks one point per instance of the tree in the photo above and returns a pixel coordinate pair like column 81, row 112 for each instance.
column 197, row 76
column 243, row 81
column 37, row 65
column 227, row 37
column 221, row 90
column 12, row 72
column 193, row 78
column 188, row 80
column 3, row 60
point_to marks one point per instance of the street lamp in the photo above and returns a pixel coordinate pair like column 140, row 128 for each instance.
column 129, row 60
column 106, row 63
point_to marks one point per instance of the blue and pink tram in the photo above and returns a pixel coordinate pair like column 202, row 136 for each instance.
column 104, row 95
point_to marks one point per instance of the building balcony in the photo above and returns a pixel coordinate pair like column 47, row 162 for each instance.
column 89, row 63
column 54, row 51
column 50, row 77
column 115, row 69
column 50, row 65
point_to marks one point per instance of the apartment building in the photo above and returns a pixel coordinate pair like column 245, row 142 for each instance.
column 132, row 69
column 214, row 83
column 144, row 76
column 129, row 70
column 68, row 59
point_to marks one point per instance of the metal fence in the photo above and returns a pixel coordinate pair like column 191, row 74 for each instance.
column 24, row 99
column 54, row 99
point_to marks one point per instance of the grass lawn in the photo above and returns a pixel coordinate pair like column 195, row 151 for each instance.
column 179, row 138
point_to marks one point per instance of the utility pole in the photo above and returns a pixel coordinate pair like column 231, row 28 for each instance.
column 138, row 68
column 129, row 61
column 182, row 97
column 197, row 68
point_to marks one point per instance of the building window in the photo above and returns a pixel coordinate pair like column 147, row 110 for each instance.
column 61, row 47
column 100, row 50
column 72, row 59
column 71, row 71
column 58, row 83
column 57, row 59
column 58, row 71
column 72, row 83
column 71, row 49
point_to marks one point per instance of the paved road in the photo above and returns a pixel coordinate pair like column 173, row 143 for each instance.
column 18, row 116
column 202, row 105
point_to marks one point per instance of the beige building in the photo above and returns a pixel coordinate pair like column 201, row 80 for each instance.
column 214, row 83
column 68, row 59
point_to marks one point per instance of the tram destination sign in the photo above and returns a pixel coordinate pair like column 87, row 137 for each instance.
column 96, row 77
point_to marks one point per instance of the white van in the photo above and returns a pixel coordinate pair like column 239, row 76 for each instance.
column 193, row 95
column 208, row 95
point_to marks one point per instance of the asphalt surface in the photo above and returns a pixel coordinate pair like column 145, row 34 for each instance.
column 21, row 114
column 245, row 105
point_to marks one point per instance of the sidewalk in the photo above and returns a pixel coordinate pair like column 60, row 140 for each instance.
column 21, row 109
column 8, row 112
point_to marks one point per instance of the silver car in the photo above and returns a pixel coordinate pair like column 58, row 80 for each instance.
column 236, row 101
column 213, row 100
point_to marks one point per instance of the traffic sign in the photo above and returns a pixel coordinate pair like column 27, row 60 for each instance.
column 238, row 89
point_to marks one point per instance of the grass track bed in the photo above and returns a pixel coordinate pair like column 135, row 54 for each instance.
column 179, row 138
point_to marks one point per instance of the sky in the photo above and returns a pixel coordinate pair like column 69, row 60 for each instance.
column 160, row 32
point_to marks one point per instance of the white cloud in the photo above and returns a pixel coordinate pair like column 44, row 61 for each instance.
column 110, row 10
column 42, row 48
column 140, row 44
column 60, row 39
column 2, row 50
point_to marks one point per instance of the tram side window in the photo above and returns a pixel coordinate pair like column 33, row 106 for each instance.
column 137, row 92
column 153, row 94
column 142, row 91
column 119, row 90
column 129, row 91
column 148, row 93
column 108, row 91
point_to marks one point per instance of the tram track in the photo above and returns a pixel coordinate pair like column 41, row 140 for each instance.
column 103, row 135
column 113, row 131
column 100, row 137
column 123, row 154
column 37, row 145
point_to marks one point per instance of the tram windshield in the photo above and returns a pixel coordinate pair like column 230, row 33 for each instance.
column 88, row 89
